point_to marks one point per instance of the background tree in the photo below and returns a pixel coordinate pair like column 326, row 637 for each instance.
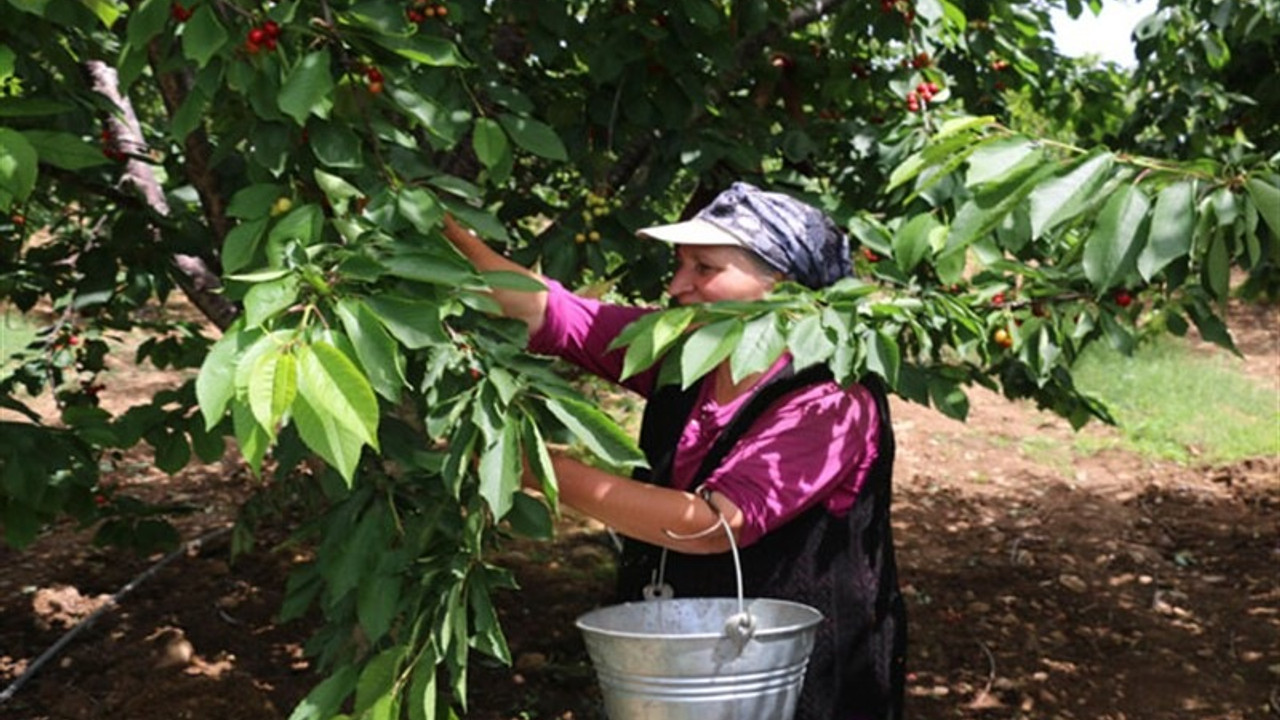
column 286, row 166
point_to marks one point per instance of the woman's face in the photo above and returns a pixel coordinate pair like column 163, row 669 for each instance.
column 710, row 273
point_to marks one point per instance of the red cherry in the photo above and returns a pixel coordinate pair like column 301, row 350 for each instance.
column 271, row 28
column 373, row 75
column 257, row 36
column 375, row 88
column 415, row 16
column 1123, row 298
column 870, row 255
column 441, row 11
column 997, row 300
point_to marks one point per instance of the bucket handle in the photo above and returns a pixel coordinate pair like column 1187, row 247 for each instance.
column 741, row 625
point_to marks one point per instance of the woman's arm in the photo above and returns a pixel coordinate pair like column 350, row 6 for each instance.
column 531, row 307
column 643, row 511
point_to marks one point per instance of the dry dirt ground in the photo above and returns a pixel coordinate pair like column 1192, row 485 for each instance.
column 1041, row 583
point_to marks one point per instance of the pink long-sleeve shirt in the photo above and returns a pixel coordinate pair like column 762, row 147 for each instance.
column 815, row 445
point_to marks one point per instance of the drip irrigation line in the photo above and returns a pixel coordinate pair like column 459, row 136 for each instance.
column 108, row 606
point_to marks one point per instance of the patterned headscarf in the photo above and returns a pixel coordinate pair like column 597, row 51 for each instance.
column 791, row 236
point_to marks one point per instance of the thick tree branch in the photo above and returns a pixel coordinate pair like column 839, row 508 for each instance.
column 198, row 281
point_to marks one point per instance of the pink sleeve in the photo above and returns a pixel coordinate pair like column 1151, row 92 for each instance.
column 816, row 446
column 579, row 329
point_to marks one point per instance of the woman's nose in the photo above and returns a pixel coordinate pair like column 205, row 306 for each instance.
column 679, row 283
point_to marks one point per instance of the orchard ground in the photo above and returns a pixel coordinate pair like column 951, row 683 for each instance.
column 1041, row 583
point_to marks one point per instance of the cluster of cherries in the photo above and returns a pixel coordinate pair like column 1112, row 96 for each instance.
column 263, row 37
column 110, row 148
column 908, row 13
column 422, row 10
column 373, row 78
column 923, row 93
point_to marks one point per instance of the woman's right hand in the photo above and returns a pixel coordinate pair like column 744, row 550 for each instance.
column 531, row 307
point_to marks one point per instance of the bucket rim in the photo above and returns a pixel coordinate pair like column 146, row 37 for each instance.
column 815, row 617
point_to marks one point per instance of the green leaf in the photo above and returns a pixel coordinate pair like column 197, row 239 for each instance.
column 254, row 201
column 421, row 208
column 379, row 675
column 326, row 698
column 707, row 347
column 914, row 240
column 1111, row 249
column 422, row 696
column 64, row 150
column 415, row 323
column 430, row 267
column 335, row 386
column 333, row 441
column 203, row 35
column 18, row 161
column 500, row 468
column 265, row 300
column 272, row 388
column 1061, row 198
column 242, row 244
column 996, row 161
column 172, row 451
column 1172, row 226
column 490, row 143
column 597, row 431
column 147, row 20
column 336, row 188
column 809, row 342
column 437, row 120
column 251, row 438
column 535, row 452
column 377, row 599
column 302, row 224
column 534, row 136
column 215, row 384
column 375, row 348
column 762, row 343
column 32, row 107
column 949, row 397
column 649, row 337
column 1217, row 267
column 106, row 11
column 981, row 215
column 530, row 517
column 308, row 89
column 335, row 145
column 1266, row 197
column 423, row 49
column 884, row 358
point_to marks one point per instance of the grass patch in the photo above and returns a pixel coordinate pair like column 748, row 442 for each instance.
column 1173, row 402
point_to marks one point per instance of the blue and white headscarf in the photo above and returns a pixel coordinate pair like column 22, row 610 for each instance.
column 791, row 236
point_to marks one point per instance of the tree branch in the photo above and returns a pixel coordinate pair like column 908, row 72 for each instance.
column 197, row 279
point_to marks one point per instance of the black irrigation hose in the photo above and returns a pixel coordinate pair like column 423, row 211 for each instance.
column 109, row 605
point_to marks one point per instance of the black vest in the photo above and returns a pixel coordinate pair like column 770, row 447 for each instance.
column 844, row 567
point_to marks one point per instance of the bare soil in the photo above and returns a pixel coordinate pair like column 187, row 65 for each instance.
column 1041, row 583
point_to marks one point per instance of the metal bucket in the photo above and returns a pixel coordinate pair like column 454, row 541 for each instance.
column 700, row 658
column 676, row 659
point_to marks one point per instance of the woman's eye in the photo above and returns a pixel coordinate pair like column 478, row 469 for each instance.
column 703, row 269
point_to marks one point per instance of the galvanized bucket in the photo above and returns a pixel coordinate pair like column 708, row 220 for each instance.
column 700, row 658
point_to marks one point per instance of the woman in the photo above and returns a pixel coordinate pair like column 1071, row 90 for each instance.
column 798, row 466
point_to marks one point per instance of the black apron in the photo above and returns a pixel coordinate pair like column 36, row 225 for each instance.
column 842, row 566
